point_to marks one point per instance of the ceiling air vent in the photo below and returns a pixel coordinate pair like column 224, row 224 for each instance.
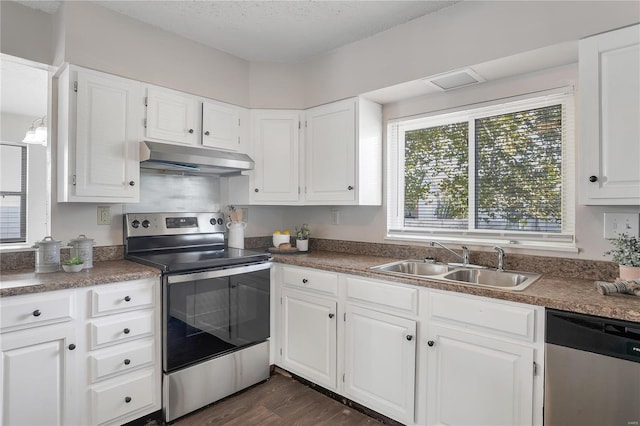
column 454, row 79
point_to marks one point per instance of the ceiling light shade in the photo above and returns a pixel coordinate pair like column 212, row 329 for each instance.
column 37, row 133
column 454, row 79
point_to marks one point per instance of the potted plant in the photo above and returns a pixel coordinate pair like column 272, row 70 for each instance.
column 74, row 264
column 626, row 252
column 302, row 237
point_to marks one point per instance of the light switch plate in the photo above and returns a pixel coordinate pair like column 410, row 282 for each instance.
column 104, row 215
column 619, row 223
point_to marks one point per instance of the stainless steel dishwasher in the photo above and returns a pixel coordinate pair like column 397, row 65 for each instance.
column 592, row 370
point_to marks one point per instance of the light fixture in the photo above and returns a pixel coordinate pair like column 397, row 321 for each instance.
column 37, row 133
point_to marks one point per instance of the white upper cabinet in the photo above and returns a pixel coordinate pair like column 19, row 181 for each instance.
column 276, row 153
column 609, row 109
column 98, row 134
column 334, row 159
column 343, row 143
column 220, row 126
column 172, row 116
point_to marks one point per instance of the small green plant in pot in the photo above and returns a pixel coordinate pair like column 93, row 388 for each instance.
column 626, row 252
column 73, row 264
column 302, row 237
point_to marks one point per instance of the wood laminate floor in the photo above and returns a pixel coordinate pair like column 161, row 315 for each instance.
column 279, row 401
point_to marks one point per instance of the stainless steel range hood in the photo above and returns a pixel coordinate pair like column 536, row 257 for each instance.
column 192, row 160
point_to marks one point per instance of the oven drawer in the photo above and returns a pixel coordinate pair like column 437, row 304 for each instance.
column 106, row 331
column 32, row 310
column 324, row 282
column 130, row 295
column 123, row 396
column 122, row 359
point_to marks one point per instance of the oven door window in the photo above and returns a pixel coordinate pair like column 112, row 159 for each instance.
column 210, row 317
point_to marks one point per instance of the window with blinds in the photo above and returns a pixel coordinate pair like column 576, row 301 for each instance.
column 502, row 172
column 13, row 194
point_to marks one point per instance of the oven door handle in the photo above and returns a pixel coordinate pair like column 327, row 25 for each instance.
column 217, row 273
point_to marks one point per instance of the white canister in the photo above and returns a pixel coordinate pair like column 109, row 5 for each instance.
column 47, row 255
column 236, row 234
column 82, row 247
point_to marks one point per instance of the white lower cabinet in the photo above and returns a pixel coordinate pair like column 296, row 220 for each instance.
column 38, row 377
column 349, row 342
column 380, row 361
column 416, row 355
column 88, row 356
column 309, row 337
column 476, row 380
column 484, row 360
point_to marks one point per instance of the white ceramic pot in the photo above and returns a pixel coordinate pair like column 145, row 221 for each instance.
column 236, row 234
column 302, row 245
column 629, row 272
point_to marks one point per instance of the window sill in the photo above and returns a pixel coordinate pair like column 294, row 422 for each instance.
column 11, row 247
column 486, row 242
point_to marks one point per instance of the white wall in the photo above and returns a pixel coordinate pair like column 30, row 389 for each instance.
column 466, row 33
column 26, row 32
column 98, row 38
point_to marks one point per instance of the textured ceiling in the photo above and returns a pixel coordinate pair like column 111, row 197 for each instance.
column 275, row 31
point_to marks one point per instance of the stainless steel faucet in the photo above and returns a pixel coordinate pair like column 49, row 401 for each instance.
column 500, row 258
column 465, row 252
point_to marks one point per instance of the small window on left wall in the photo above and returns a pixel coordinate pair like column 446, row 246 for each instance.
column 13, row 194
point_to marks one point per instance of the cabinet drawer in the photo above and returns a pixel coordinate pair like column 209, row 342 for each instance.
column 124, row 358
column 122, row 397
column 325, row 282
column 124, row 327
column 382, row 294
column 122, row 297
column 18, row 312
column 509, row 319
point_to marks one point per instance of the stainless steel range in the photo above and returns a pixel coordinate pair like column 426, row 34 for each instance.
column 215, row 306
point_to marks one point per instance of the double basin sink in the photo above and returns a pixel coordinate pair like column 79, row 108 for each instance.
column 470, row 274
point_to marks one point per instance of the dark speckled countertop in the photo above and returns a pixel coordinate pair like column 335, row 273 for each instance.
column 18, row 282
column 569, row 294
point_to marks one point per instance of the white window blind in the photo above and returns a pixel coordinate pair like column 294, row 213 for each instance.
column 500, row 173
column 13, row 194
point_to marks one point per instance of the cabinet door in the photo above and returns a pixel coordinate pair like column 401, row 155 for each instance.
column 36, row 376
column 609, row 111
column 472, row 379
column 380, row 357
column 220, row 126
column 276, row 139
column 106, row 142
column 330, row 152
column 309, row 337
column 172, row 116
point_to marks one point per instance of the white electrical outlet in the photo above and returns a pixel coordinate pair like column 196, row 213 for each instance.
column 104, row 215
column 621, row 223
column 335, row 217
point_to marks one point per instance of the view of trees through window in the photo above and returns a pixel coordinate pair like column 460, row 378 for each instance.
column 517, row 173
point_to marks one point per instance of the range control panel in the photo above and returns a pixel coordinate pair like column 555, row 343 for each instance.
column 152, row 224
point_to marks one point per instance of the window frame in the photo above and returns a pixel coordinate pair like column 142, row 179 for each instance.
column 396, row 230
